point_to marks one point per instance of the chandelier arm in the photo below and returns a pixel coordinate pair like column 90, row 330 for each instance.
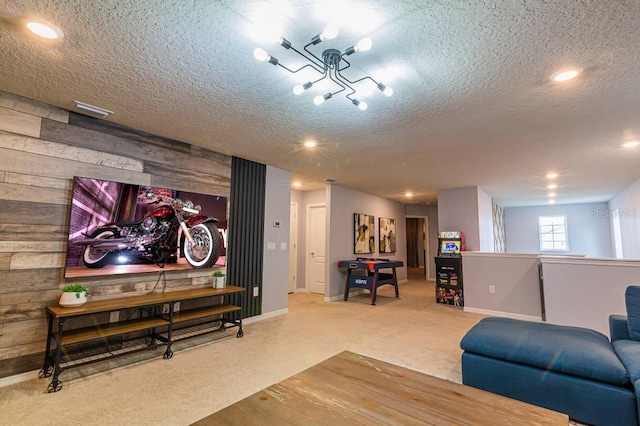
column 359, row 80
column 348, row 63
column 338, row 82
column 342, row 81
column 315, row 64
column 299, row 69
column 311, row 53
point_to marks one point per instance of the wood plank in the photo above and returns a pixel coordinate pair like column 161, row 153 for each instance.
column 26, row 213
column 45, row 297
column 112, row 329
column 100, row 141
column 23, row 332
column 31, row 180
column 29, row 106
column 19, row 122
column 198, row 187
column 204, row 312
column 23, row 350
column 68, row 152
column 127, row 132
column 42, row 165
column 103, row 142
column 219, row 177
column 5, row 261
column 17, row 232
column 13, row 192
column 145, row 300
column 33, row 246
column 22, row 312
column 21, row 364
column 354, row 389
column 26, row 280
column 42, row 260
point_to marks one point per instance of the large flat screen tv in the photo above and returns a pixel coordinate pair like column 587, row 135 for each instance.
column 123, row 228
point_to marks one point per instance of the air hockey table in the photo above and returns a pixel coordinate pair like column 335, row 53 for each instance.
column 374, row 277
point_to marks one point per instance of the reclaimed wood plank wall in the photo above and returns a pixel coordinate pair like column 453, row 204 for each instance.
column 41, row 148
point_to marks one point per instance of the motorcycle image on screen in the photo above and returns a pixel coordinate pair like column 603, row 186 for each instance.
column 173, row 224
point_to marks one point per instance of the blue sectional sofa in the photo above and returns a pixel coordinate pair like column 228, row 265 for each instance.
column 572, row 370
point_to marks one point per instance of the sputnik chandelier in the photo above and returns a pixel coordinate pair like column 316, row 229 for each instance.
column 329, row 66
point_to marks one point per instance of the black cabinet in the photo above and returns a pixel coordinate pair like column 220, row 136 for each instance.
column 449, row 280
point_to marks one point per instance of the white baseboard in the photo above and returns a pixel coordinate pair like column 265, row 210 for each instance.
column 502, row 314
column 18, row 378
column 265, row 316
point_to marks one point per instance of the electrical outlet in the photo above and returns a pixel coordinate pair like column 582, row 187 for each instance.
column 492, row 289
column 256, row 291
column 114, row 316
column 176, row 307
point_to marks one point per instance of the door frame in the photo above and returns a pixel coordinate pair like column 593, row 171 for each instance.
column 307, row 269
column 427, row 262
column 293, row 246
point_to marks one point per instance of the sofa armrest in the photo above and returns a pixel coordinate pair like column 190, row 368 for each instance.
column 618, row 328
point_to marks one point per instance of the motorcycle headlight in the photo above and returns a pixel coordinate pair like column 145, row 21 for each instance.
column 197, row 207
column 188, row 204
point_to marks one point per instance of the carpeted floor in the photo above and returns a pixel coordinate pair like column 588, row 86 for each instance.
column 412, row 331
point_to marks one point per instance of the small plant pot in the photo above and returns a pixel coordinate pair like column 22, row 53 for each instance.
column 219, row 282
column 68, row 300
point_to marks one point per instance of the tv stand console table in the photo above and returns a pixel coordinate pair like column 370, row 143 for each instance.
column 162, row 325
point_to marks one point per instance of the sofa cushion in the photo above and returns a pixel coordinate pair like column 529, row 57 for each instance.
column 629, row 353
column 632, row 300
column 575, row 351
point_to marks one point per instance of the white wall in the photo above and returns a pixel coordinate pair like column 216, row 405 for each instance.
column 458, row 211
column 516, row 283
column 342, row 203
column 628, row 203
column 276, row 262
column 485, row 221
column 583, row 292
column 588, row 235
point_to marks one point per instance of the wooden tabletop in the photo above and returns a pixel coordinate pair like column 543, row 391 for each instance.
column 143, row 300
column 350, row 389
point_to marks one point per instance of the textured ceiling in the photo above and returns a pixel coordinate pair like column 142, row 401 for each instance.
column 473, row 104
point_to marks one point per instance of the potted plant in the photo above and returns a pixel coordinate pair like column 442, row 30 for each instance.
column 73, row 295
column 219, row 279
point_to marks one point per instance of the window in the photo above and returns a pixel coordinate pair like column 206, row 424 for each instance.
column 553, row 233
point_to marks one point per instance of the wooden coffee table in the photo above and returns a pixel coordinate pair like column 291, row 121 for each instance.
column 350, row 389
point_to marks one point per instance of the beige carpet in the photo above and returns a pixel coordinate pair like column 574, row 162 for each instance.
column 412, row 331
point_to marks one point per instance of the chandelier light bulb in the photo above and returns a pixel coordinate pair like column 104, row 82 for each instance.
column 388, row 91
column 260, row 54
column 318, row 99
column 364, row 45
column 298, row 89
column 361, row 105
column 330, row 32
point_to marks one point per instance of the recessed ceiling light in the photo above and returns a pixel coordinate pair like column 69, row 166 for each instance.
column 552, row 201
column 408, row 194
column 565, row 75
column 551, row 195
column 297, row 184
column 310, row 144
column 631, row 144
column 44, row 29
column 552, row 175
column 552, row 186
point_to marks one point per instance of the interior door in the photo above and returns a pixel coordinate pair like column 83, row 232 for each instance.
column 316, row 224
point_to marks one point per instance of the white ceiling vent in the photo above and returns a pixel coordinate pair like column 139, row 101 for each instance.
column 91, row 111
